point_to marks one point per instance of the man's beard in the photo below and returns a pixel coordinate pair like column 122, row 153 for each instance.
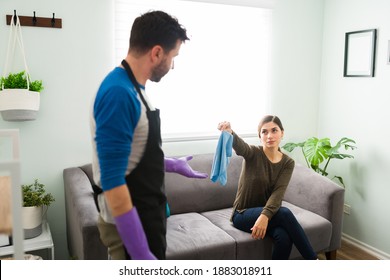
column 159, row 71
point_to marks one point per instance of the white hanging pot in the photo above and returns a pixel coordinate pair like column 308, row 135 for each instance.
column 19, row 104
column 32, row 221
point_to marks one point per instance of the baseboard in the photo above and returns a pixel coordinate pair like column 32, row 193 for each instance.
column 367, row 248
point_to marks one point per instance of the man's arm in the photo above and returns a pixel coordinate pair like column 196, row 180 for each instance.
column 128, row 223
column 119, row 200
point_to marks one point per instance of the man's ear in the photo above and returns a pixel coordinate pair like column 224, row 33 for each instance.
column 157, row 53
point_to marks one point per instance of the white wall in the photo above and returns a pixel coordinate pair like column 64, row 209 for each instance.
column 71, row 62
column 296, row 65
column 358, row 108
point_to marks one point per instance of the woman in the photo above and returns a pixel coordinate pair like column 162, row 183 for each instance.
column 263, row 181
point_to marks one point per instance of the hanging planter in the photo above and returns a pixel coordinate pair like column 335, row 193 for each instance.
column 19, row 104
column 19, row 96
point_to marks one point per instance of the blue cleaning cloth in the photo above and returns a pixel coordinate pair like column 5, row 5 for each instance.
column 222, row 158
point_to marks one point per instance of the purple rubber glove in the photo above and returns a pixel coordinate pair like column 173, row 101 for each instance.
column 133, row 236
column 180, row 166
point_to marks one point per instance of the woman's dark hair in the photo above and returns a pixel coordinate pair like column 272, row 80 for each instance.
column 156, row 28
column 267, row 119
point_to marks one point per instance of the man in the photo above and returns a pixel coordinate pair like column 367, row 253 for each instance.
column 128, row 162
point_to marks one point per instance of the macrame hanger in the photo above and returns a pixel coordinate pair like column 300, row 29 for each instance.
column 15, row 35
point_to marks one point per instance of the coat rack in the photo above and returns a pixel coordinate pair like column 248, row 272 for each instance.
column 35, row 21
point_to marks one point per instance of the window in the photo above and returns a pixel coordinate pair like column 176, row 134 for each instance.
column 222, row 73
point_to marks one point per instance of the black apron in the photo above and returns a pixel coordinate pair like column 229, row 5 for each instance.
column 146, row 181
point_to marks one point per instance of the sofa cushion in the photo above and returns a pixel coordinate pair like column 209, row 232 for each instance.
column 191, row 236
column 247, row 248
column 200, row 195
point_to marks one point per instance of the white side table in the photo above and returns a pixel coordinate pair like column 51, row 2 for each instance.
column 42, row 241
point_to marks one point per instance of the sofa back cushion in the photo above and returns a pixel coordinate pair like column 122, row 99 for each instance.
column 304, row 182
column 200, row 195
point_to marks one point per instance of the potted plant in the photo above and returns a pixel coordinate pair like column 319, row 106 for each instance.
column 317, row 151
column 19, row 97
column 35, row 198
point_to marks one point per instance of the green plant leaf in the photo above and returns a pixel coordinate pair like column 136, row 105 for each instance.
column 36, row 86
column 289, row 147
column 340, row 180
column 334, row 151
column 340, row 156
column 19, row 80
column 315, row 150
column 35, row 195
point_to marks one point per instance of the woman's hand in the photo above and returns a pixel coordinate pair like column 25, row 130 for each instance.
column 260, row 227
column 225, row 126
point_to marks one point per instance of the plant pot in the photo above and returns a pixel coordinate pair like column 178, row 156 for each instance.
column 19, row 104
column 32, row 221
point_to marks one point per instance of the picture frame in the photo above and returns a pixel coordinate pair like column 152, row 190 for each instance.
column 359, row 53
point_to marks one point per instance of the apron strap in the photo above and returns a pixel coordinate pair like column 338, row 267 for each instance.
column 134, row 81
column 96, row 189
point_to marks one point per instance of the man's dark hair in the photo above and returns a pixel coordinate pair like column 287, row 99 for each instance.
column 156, row 28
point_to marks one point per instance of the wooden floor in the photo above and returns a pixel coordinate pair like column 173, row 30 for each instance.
column 348, row 251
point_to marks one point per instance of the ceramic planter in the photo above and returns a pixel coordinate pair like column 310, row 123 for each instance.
column 19, row 104
column 32, row 221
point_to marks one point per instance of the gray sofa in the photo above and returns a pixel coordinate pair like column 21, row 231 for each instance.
column 199, row 226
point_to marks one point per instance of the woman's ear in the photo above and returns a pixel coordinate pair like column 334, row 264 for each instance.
column 261, row 141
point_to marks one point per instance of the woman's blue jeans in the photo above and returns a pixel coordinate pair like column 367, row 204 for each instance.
column 283, row 228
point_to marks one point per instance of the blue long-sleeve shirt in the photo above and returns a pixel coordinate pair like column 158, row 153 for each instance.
column 119, row 129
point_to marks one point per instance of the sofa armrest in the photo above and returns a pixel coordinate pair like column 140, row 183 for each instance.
column 311, row 191
column 81, row 217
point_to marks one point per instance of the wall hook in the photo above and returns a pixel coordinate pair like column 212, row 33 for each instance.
column 34, row 20
column 53, row 21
